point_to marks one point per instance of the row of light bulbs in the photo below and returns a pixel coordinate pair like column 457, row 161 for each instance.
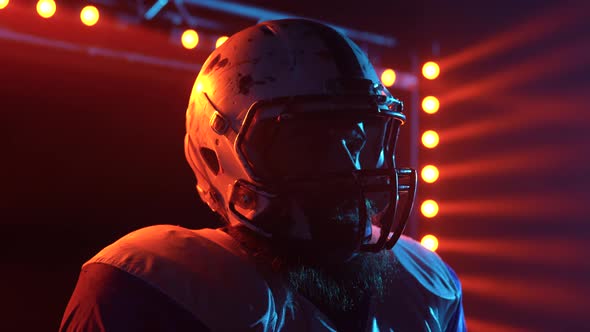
column 430, row 140
column 90, row 15
column 190, row 39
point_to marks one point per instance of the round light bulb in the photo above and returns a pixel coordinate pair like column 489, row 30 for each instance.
column 429, row 242
column 3, row 3
column 430, row 139
column 89, row 15
column 429, row 174
column 430, row 70
column 46, row 8
column 429, row 208
column 388, row 77
column 220, row 41
column 430, row 104
column 190, row 39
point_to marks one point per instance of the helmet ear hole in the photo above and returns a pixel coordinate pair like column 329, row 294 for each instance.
column 210, row 158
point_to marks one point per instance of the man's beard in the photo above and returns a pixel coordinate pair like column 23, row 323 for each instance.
column 336, row 287
column 342, row 287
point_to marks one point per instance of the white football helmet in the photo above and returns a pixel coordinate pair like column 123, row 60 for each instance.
column 290, row 132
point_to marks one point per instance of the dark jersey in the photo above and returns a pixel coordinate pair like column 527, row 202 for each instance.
column 169, row 278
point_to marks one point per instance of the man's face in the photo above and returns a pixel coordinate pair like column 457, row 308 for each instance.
column 313, row 161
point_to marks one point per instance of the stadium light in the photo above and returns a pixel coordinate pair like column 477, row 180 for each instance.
column 430, row 139
column 89, row 15
column 220, row 41
column 429, row 208
column 429, row 173
column 388, row 77
column 430, row 104
column 46, row 8
column 430, row 242
column 190, row 39
column 430, row 70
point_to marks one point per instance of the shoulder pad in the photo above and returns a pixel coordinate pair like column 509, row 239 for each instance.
column 427, row 268
column 205, row 271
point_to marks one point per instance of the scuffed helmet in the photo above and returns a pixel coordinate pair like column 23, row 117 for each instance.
column 290, row 132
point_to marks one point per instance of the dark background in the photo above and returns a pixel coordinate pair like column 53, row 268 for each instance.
column 91, row 148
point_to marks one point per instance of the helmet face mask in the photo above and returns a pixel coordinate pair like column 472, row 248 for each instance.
column 314, row 171
column 330, row 166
